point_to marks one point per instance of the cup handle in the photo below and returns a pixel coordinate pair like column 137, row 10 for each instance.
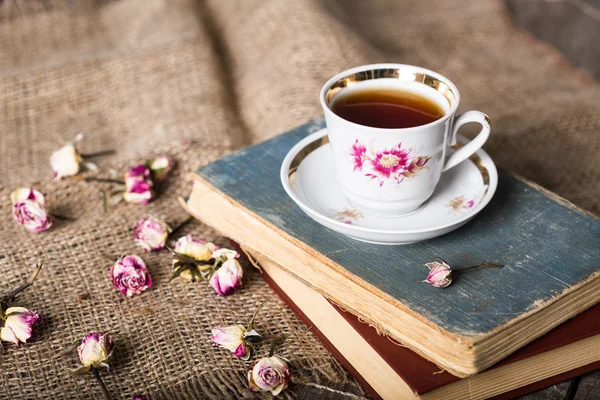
column 468, row 149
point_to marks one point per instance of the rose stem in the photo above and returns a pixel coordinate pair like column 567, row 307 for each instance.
column 24, row 286
column 98, row 154
column 102, row 385
column 104, row 202
column 483, row 264
column 274, row 344
column 251, row 323
column 181, row 225
column 106, row 180
column 263, row 339
column 61, row 217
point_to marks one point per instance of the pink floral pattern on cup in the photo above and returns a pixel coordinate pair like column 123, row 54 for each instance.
column 394, row 164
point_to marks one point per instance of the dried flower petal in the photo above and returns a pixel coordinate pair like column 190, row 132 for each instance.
column 130, row 276
column 440, row 274
column 18, row 325
column 223, row 254
column 95, row 349
column 138, row 185
column 21, row 194
column 269, row 374
column 32, row 215
column 227, row 278
column 65, row 161
column 195, row 248
column 151, row 234
column 231, row 338
column 160, row 167
column 137, row 173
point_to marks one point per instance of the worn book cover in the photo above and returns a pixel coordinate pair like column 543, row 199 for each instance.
column 550, row 249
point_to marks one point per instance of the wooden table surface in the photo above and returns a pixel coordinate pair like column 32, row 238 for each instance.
column 586, row 387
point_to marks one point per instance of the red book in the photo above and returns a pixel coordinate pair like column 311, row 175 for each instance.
column 388, row 370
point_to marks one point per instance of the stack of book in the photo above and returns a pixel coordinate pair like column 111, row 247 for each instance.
column 493, row 332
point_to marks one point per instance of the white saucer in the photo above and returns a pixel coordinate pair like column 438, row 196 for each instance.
column 309, row 178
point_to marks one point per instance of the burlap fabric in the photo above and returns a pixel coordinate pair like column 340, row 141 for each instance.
column 200, row 79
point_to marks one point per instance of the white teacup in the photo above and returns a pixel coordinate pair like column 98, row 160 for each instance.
column 390, row 172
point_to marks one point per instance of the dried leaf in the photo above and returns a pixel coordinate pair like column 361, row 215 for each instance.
column 84, row 369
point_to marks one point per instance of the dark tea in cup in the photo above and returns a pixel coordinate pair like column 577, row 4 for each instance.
column 386, row 108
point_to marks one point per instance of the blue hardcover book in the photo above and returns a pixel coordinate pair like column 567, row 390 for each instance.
column 550, row 250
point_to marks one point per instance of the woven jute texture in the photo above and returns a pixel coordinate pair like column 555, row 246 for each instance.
column 199, row 80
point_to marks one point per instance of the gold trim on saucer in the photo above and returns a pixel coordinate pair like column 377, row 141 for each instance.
column 406, row 73
column 305, row 152
column 478, row 163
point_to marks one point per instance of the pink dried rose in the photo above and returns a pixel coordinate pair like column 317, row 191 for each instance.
column 95, row 353
column 95, row 350
column 228, row 274
column 29, row 210
column 130, row 276
column 269, row 374
column 151, row 234
column 138, row 185
column 136, row 173
column 227, row 278
column 238, row 339
column 139, row 397
column 440, row 274
column 139, row 192
column 231, row 338
column 160, row 167
column 18, row 325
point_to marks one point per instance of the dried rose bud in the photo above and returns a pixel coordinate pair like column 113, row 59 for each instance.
column 160, row 167
column 95, row 350
column 221, row 255
column 130, row 276
column 193, row 248
column 231, row 338
column 269, row 374
column 440, row 274
column 138, row 172
column 138, row 185
column 151, row 234
column 139, row 397
column 66, row 161
column 227, row 278
column 18, row 325
column 139, row 192
column 29, row 210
